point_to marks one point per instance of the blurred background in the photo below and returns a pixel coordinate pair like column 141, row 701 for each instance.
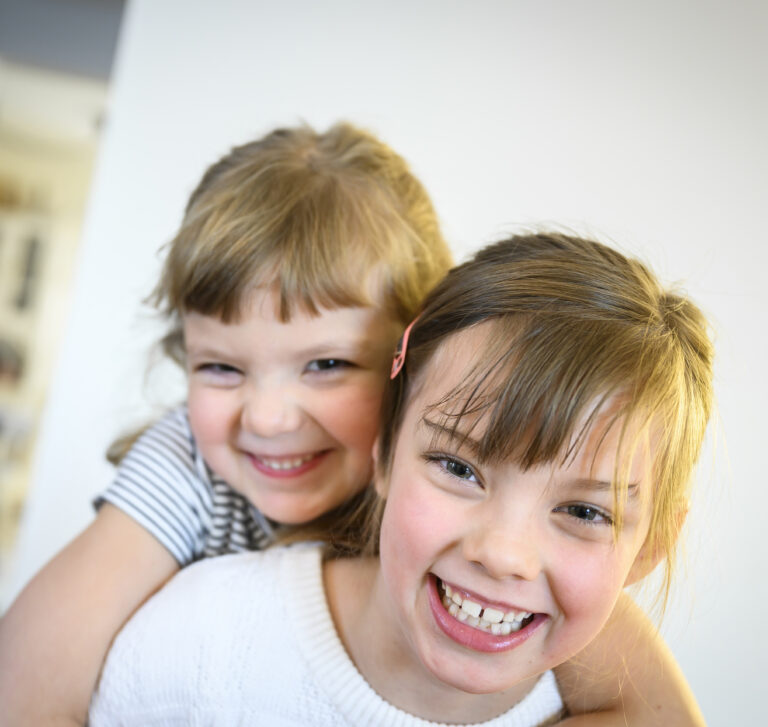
column 641, row 123
column 55, row 63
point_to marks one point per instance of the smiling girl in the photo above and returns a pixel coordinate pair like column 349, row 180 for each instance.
column 535, row 456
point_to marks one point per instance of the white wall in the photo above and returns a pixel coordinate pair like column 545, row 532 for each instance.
column 641, row 122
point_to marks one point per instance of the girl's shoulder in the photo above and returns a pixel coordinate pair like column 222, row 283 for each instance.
column 168, row 437
column 248, row 574
column 172, row 427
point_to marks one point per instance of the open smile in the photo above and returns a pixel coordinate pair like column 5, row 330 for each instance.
column 470, row 623
column 287, row 466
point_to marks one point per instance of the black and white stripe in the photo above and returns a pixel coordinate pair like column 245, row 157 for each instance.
column 164, row 484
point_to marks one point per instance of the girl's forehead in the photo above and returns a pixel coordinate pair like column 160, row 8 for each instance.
column 457, row 356
column 436, row 394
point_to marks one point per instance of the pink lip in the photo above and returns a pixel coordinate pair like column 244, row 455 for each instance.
column 471, row 637
column 310, row 464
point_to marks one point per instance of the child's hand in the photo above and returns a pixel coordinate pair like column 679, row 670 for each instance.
column 627, row 677
column 56, row 634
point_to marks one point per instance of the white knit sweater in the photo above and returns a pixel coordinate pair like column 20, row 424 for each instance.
column 248, row 639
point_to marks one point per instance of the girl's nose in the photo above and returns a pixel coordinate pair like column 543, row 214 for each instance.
column 503, row 552
column 270, row 410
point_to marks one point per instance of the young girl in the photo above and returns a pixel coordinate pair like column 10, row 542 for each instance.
column 537, row 442
column 299, row 261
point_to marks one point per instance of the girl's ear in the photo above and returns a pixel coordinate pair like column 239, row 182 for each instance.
column 647, row 559
column 651, row 554
column 375, row 454
column 380, row 482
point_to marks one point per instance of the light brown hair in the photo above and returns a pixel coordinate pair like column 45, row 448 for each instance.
column 329, row 219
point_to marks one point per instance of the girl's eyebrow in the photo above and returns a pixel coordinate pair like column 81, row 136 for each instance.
column 452, row 434
column 204, row 351
column 319, row 349
column 603, row 486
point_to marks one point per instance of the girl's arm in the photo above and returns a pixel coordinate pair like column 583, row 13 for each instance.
column 627, row 677
column 54, row 637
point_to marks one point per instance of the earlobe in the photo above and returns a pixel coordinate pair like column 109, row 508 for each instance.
column 647, row 559
column 379, row 481
column 651, row 554
column 380, row 485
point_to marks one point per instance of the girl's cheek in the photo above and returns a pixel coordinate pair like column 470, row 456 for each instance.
column 209, row 414
column 587, row 583
column 415, row 526
column 356, row 412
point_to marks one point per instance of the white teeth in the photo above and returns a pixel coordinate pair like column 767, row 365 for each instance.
column 518, row 616
column 285, row 464
column 492, row 615
column 488, row 619
column 472, row 608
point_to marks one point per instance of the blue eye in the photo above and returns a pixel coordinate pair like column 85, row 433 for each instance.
column 454, row 467
column 459, row 469
column 327, row 364
column 588, row 514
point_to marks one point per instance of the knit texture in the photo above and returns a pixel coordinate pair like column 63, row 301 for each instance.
column 248, row 639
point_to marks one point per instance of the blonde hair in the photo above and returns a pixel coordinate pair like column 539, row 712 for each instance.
column 574, row 324
column 329, row 219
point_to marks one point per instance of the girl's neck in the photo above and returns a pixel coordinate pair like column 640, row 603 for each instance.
column 381, row 652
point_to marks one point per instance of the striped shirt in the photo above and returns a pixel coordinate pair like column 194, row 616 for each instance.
column 164, row 484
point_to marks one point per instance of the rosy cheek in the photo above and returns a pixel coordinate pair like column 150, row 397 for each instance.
column 413, row 523
column 204, row 416
column 357, row 416
column 587, row 587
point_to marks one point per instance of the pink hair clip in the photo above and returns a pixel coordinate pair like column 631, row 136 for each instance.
column 399, row 360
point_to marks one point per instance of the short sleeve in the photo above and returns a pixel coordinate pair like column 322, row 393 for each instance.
column 161, row 484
